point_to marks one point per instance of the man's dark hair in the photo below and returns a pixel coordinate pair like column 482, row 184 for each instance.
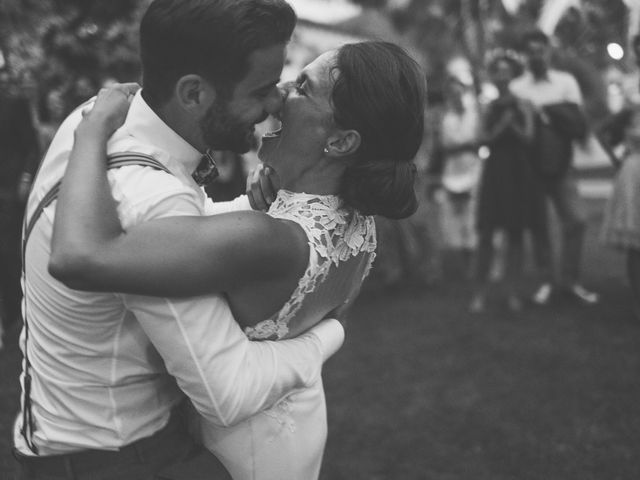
column 534, row 35
column 212, row 38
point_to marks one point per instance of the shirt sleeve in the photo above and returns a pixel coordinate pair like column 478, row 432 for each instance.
column 143, row 194
column 516, row 88
column 227, row 377
column 572, row 90
column 237, row 204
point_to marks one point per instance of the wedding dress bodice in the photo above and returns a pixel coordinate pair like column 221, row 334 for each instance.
column 341, row 251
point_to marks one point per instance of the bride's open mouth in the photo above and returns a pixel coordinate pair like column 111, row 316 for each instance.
column 273, row 133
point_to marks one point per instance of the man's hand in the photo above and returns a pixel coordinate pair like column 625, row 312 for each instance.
column 110, row 109
column 262, row 187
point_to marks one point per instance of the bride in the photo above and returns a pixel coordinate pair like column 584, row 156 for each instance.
column 351, row 125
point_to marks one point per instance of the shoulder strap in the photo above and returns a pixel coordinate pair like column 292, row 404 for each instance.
column 113, row 161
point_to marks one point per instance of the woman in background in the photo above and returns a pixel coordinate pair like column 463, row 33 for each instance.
column 458, row 142
column 621, row 227
column 508, row 198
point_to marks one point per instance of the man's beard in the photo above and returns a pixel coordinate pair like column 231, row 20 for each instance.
column 222, row 131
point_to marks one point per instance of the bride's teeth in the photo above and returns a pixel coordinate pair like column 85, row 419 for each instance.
column 275, row 133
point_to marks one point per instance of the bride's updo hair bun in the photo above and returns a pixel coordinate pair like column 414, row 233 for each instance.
column 381, row 187
column 379, row 92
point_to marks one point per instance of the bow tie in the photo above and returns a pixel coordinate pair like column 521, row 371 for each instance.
column 207, row 170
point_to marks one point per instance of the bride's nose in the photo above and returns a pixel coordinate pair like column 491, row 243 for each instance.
column 285, row 88
column 279, row 97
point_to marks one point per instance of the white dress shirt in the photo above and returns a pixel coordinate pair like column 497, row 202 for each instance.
column 556, row 87
column 107, row 368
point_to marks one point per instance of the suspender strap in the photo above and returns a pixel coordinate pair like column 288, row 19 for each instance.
column 113, row 161
column 124, row 159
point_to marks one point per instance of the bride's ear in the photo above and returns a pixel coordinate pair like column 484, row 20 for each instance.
column 194, row 92
column 343, row 143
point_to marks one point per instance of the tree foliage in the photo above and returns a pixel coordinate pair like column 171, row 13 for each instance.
column 585, row 32
column 443, row 29
column 70, row 45
column 74, row 45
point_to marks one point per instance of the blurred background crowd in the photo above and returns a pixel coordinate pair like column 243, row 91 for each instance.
column 484, row 210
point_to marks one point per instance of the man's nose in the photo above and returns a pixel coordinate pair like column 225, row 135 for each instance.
column 275, row 100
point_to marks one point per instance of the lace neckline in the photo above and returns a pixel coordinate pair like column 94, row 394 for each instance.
column 287, row 196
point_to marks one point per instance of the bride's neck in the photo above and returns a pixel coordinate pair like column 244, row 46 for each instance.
column 318, row 181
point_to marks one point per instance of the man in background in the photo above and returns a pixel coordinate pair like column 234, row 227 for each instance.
column 560, row 121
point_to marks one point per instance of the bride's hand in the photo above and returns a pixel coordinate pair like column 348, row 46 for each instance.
column 110, row 108
column 262, row 187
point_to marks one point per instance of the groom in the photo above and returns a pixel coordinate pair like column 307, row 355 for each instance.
column 105, row 374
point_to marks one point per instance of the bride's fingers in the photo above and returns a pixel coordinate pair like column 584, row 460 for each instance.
column 117, row 93
column 266, row 186
column 128, row 89
column 262, row 187
column 252, row 202
column 254, row 190
column 111, row 106
column 115, row 97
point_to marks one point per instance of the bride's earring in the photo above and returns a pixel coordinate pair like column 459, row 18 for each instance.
column 326, row 150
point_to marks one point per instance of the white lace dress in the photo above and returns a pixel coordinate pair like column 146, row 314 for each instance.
column 287, row 441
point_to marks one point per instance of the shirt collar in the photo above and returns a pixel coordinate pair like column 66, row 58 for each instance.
column 144, row 124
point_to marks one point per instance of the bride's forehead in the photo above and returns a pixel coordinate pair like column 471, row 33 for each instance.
column 321, row 67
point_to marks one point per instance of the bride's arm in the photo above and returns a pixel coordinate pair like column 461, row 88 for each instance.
column 169, row 257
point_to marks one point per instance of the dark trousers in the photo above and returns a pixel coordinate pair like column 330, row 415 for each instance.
column 564, row 196
column 10, row 266
column 170, row 454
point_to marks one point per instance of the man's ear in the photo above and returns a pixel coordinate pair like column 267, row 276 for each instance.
column 343, row 143
column 194, row 92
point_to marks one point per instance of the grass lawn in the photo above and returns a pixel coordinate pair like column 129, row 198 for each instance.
column 423, row 390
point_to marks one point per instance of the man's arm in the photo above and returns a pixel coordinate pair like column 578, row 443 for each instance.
column 227, row 377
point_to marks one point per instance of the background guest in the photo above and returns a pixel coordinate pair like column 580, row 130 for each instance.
column 621, row 227
column 458, row 142
column 558, row 100
column 508, row 199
